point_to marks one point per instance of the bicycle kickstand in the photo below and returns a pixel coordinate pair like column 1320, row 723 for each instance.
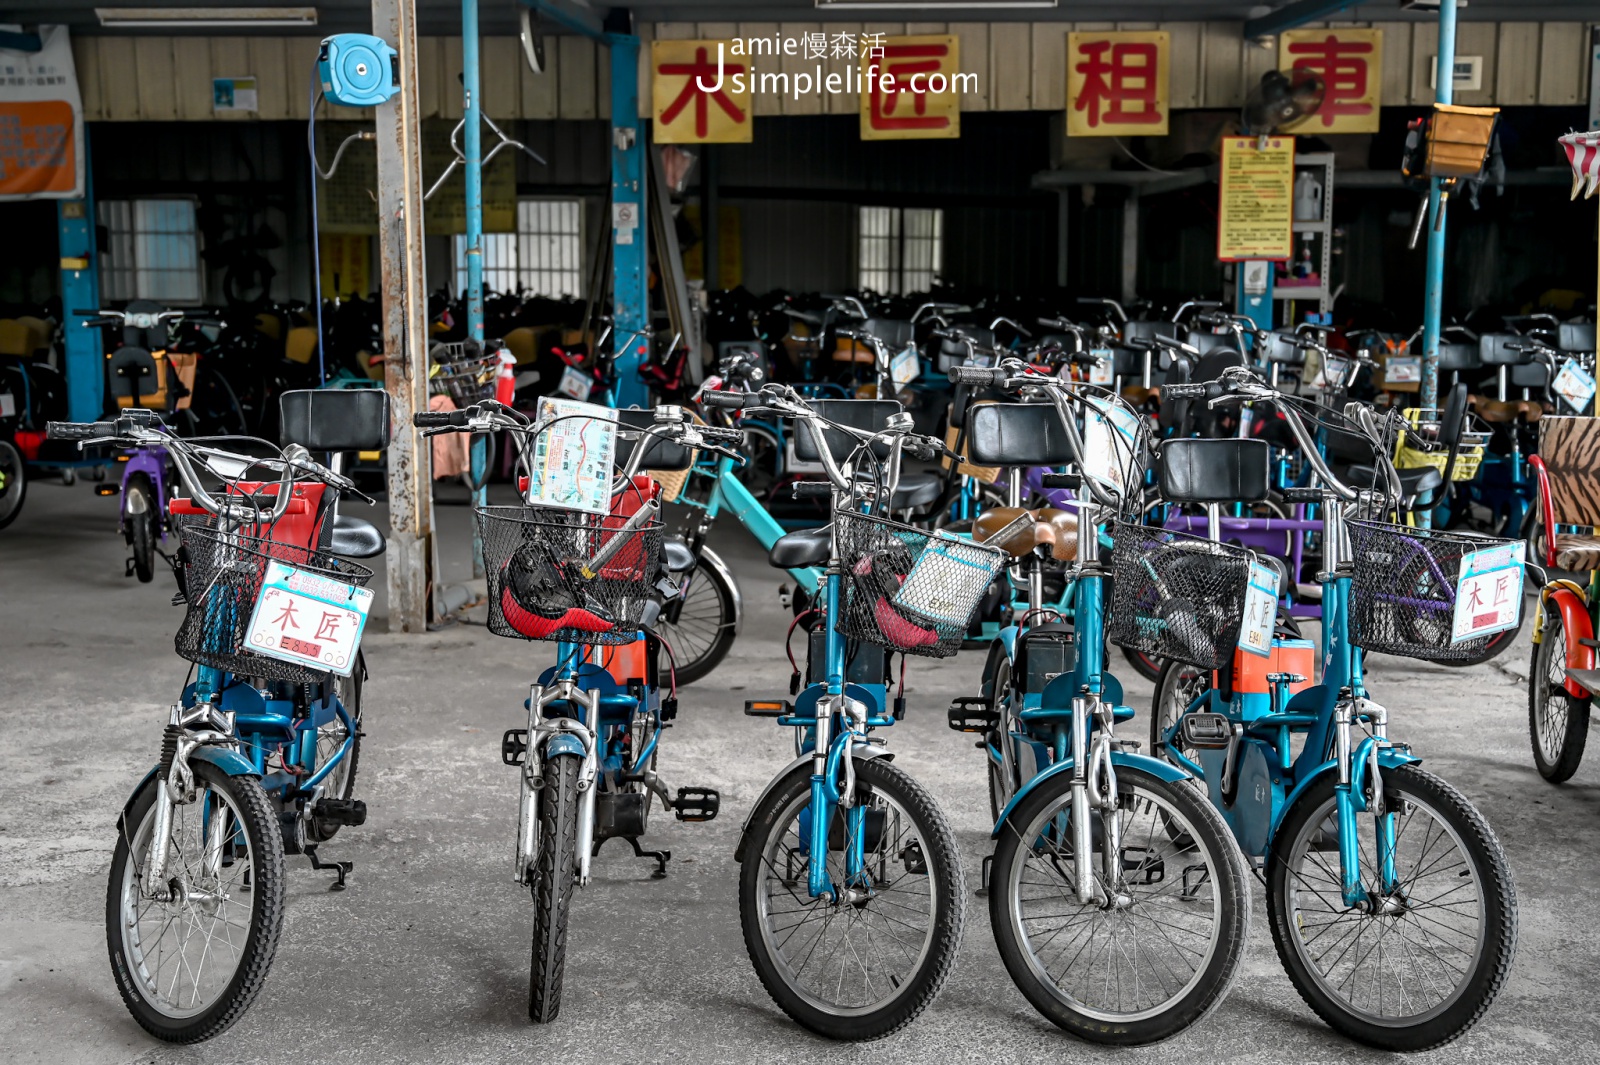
column 340, row 869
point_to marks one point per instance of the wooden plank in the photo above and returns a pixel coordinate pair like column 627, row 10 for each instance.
column 275, row 80
column 975, row 61
column 152, row 59
column 430, row 78
column 577, row 77
column 1396, row 87
column 86, row 64
column 1516, row 73
column 450, row 87
column 1048, row 87
column 299, row 53
column 1563, row 48
column 914, row 29
column 230, row 58
column 762, row 63
column 1221, row 64
column 191, row 77
column 1479, row 39
column 1009, row 77
column 498, row 79
column 540, row 93
column 602, row 83
column 810, row 102
column 1183, row 69
column 1424, row 45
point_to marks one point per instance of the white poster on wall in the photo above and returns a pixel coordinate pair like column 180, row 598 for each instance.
column 41, row 116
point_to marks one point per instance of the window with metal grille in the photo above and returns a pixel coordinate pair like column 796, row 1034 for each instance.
column 542, row 258
column 153, row 252
column 901, row 248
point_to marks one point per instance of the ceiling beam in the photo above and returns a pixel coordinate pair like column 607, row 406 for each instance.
column 1289, row 16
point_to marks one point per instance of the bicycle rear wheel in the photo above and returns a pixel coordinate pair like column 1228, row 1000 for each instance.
column 1159, row 958
column 856, row 968
column 13, row 483
column 1450, row 928
column 701, row 631
column 190, row 954
column 555, row 876
column 1558, row 721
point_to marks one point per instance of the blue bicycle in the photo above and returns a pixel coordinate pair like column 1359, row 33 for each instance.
column 851, row 895
column 595, row 585
column 1392, row 907
column 259, row 754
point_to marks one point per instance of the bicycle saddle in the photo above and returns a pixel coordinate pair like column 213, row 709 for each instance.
column 1501, row 413
column 1057, row 529
column 355, row 538
column 917, row 488
column 1413, row 482
column 801, row 548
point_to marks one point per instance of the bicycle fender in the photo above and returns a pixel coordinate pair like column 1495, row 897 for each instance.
column 1575, row 619
column 563, row 743
column 1154, row 766
column 1388, row 758
column 230, row 762
column 861, row 752
column 711, row 559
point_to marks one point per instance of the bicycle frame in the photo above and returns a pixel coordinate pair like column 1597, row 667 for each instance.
column 728, row 491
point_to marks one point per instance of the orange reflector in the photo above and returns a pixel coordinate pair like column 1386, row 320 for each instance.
column 107, row 489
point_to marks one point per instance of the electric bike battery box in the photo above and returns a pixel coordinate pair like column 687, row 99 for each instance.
column 1043, row 654
column 1287, row 655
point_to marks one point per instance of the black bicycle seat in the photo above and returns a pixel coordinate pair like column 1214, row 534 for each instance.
column 355, row 538
column 804, row 547
column 676, row 556
column 916, row 489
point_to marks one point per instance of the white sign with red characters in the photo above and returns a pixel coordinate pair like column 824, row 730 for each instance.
column 308, row 619
column 1489, row 591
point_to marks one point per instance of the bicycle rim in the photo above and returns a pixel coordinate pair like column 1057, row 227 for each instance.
column 701, row 623
column 1550, row 716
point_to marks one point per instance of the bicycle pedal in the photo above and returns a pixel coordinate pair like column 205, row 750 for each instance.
column 972, row 713
column 1207, row 732
column 514, row 746
column 767, row 708
column 697, row 804
column 351, row 812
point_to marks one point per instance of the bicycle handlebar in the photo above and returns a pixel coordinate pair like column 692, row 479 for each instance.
column 731, row 400
column 978, row 375
column 435, row 419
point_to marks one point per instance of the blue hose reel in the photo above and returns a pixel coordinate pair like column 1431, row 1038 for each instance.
column 358, row 70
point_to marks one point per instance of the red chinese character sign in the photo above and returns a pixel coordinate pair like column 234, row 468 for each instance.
column 910, row 88
column 1117, row 84
column 1351, row 65
column 701, row 92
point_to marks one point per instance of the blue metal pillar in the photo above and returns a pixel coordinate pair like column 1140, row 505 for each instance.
column 629, row 230
column 1433, row 305
column 80, row 290
column 472, row 174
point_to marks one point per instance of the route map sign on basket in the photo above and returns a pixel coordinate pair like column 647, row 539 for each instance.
column 572, row 456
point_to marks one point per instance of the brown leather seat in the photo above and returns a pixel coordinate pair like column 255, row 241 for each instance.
column 1578, row 552
column 1500, row 413
column 1056, row 528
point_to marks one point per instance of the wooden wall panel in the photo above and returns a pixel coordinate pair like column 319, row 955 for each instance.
column 1183, row 72
column 1480, row 39
column 1010, row 53
column 498, row 78
column 765, row 103
column 1424, row 43
column 1221, row 64
column 975, row 61
column 276, row 81
column 541, row 96
column 1516, row 79
column 1396, row 62
column 576, row 77
column 602, row 83
column 810, row 103
column 1563, row 72
column 1048, row 85
column 152, row 63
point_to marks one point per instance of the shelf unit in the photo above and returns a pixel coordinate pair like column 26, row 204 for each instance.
column 1322, row 292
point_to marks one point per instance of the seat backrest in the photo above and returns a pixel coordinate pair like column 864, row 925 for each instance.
column 1205, row 341
column 661, row 455
column 1230, row 470
column 1280, row 347
column 1460, row 356
column 871, row 414
column 1017, row 434
column 1575, row 336
column 894, row 333
column 1569, row 447
column 953, row 352
column 1530, row 375
column 136, row 375
column 1494, row 349
column 1453, row 419
column 335, row 419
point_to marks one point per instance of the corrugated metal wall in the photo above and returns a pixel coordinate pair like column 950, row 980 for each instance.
column 1020, row 67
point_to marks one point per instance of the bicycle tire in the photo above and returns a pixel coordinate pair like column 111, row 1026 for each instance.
column 1147, row 666
column 1558, row 722
column 1307, row 823
column 141, row 527
column 1196, row 997
column 555, row 877
column 13, row 483
column 771, row 822
column 709, row 585
column 257, row 821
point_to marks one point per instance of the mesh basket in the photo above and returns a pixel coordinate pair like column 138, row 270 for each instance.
column 1177, row 596
column 1403, row 590
column 222, row 580
column 464, row 371
column 534, row 557
column 909, row 590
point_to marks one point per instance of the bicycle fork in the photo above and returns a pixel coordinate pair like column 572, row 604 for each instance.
column 1094, row 794
column 568, row 736
column 1360, row 790
column 175, row 787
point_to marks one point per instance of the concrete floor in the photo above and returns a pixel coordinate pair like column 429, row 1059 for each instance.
column 425, row 957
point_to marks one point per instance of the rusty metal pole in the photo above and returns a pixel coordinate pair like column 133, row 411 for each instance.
column 405, row 325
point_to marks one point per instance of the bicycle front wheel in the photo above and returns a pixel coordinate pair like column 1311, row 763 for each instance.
column 1149, row 955
column 190, row 953
column 1412, row 969
column 554, row 878
column 868, row 962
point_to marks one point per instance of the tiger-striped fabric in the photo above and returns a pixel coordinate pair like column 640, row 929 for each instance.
column 1570, row 448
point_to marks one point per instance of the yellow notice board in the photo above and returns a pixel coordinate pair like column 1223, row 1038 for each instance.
column 1256, row 216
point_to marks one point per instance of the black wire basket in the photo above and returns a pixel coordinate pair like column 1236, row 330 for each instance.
column 535, row 558
column 222, row 576
column 909, row 590
column 1176, row 596
column 466, row 371
column 1403, row 590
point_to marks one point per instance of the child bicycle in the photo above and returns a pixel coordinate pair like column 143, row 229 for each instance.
column 851, row 896
column 1362, row 849
column 1119, row 904
column 592, row 583
column 259, row 755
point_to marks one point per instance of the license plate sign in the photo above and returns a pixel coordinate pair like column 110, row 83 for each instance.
column 308, row 619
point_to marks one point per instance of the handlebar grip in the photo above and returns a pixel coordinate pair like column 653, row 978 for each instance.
column 811, row 490
column 732, row 400
column 1183, row 391
column 78, row 430
column 440, row 419
column 1302, row 495
column 977, row 375
column 1061, row 480
column 716, row 434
